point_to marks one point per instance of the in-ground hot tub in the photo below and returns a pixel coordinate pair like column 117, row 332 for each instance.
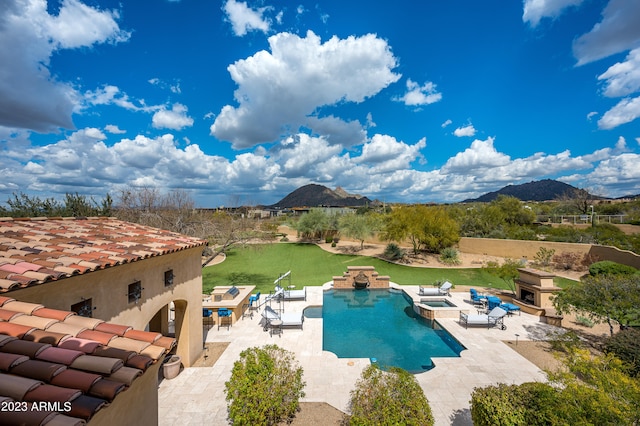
column 436, row 307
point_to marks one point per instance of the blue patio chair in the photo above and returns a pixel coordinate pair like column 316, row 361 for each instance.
column 477, row 299
column 254, row 298
column 224, row 313
column 494, row 302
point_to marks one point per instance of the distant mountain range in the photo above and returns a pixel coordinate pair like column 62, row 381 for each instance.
column 542, row 190
column 313, row 195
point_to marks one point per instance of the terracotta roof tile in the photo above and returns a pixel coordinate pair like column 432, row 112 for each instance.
column 70, row 246
column 38, row 370
column 107, row 389
column 39, row 364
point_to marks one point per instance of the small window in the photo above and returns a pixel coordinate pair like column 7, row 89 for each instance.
column 84, row 308
column 168, row 278
column 135, row 292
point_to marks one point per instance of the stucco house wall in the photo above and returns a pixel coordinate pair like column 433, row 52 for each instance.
column 108, row 289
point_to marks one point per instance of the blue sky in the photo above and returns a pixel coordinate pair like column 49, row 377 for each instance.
column 243, row 102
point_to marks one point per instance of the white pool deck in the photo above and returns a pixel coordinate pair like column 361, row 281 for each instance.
column 196, row 396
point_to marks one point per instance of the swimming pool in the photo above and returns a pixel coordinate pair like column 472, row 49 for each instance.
column 382, row 324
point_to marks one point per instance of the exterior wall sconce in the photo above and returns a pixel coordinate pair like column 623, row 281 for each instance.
column 84, row 308
column 135, row 292
column 168, row 278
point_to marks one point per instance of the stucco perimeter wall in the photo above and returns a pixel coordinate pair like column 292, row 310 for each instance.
column 108, row 291
column 517, row 249
column 612, row 253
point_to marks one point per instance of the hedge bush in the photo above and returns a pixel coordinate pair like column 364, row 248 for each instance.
column 265, row 387
column 608, row 267
column 626, row 346
column 393, row 252
column 388, row 398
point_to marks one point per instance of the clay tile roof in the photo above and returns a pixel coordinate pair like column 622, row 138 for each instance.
column 39, row 250
column 88, row 372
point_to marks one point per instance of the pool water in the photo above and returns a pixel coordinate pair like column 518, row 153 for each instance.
column 438, row 303
column 381, row 324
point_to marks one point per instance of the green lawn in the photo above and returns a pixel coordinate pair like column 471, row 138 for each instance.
column 260, row 265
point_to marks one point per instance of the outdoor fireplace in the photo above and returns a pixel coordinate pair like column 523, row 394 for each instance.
column 534, row 289
column 527, row 296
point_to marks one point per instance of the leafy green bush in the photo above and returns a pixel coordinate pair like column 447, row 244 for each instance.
column 393, row 252
column 450, row 256
column 265, row 387
column 388, row 398
column 608, row 267
column 526, row 404
column 626, row 346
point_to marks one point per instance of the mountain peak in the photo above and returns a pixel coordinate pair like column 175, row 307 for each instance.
column 542, row 190
column 314, row 195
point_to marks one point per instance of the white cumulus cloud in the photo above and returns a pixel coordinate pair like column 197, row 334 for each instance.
column 417, row 95
column 278, row 91
column 617, row 32
column 625, row 111
column 481, row 154
column 623, row 78
column 176, row 118
column 535, row 10
column 30, row 97
column 466, row 131
column 244, row 19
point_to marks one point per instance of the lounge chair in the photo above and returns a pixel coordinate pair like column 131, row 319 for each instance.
column 292, row 294
column 443, row 290
column 494, row 301
column 290, row 319
column 495, row 318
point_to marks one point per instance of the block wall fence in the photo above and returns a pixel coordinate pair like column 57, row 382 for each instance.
column 518, row 249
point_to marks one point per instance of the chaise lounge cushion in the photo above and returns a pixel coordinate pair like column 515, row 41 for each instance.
column 495, row 317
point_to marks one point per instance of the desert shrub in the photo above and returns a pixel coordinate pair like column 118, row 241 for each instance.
column 567, row 261
column 608, row 267
column 625, row 345
column 265, row 387
column 388, row 398
column 589, row 259
column 450, row 256
column 393, row 252
column 527, row 404
column 585, row 321
column 565, row 341
column 543, row 256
